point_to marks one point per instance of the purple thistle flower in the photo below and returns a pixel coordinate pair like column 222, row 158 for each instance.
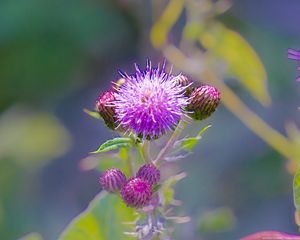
column 149, row 173
column 150, row 102
column 204, row 101
column 295, row 55
column 136, row 193
column 112, row 180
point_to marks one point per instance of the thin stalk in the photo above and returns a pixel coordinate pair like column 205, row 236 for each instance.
column 129, row 164
column 144, row 151
column 146, row 147
column 233, row 103
column 163, row 153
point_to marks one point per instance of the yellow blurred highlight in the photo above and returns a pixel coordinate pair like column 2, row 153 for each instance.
column 32, row 236
column 31, row 138
column 233, row 103
column 293, row 134
column 191, row 30
column 161, row 28
column 241, row 60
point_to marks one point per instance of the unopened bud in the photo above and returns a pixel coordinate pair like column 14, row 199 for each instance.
column 136, row 193
column 204, row 101
column 112, row 180
column 104, row 106
column 149, row 173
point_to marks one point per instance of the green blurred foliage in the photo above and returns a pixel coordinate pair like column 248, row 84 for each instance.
column 103, row 219
column 239, row 57
column 46, row 45
column 296, row 189
column 218, row 220
column 48, row 49
column 280, row 70
column 31, row 138
column 32, row 236
column 28, row 141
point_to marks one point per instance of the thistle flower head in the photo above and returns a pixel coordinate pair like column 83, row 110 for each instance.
column 204, row 101
column 136, row 193
column 149, row 173
column 112, row 180
column 150, row 102
column 105, row 108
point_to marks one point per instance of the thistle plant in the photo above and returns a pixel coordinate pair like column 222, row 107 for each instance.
column 147, row 106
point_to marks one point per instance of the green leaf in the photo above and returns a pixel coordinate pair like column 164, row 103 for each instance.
column 296, row 190
column 161, row 28
column 167, row 188
column 156, row 187
column 106, row 160
column 103, row 219
column 189, row 143
column 113, row 144
column 92, row 113
column 32, row 236
column 243, row 63
column 218, row 220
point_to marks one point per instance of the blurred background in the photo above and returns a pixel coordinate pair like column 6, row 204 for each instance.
column 57, row 56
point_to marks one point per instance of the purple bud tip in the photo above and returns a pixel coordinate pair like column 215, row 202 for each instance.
column 105, row 108
column 136, row 193
column 150, row 173
column 203, row 102
column 112, row 180
column 293, row 54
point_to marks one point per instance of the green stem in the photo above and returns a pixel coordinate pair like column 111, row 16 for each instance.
column 129, row 164
column 231, row 101
column 144, row 151
column 272, row 137
column 146, row 148
column 163, row 153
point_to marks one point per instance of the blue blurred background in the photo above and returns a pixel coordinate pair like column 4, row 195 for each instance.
column 57, row 56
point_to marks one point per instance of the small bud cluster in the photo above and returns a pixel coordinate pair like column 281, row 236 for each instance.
column 149, row 103
column 136, row 192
